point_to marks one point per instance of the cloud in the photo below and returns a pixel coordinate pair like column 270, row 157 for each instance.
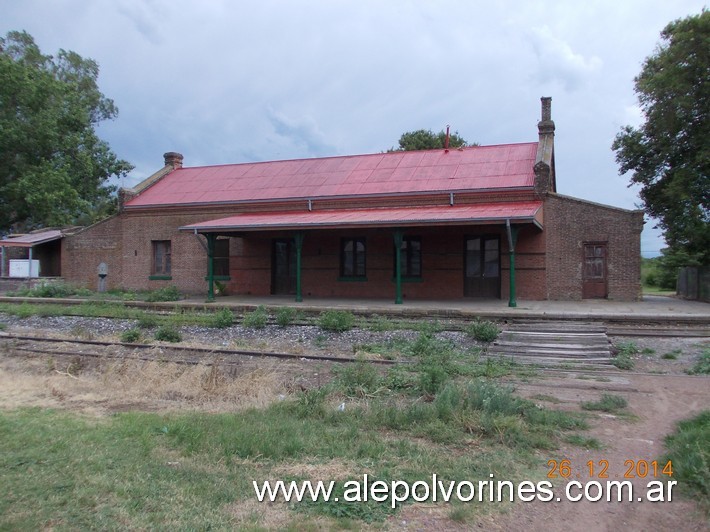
column 303, row 131
column 144, row 17
column 557, row 61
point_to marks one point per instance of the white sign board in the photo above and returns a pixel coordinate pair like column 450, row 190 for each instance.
column 21, row 268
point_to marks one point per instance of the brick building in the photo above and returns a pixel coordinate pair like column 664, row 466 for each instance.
column 479, row 222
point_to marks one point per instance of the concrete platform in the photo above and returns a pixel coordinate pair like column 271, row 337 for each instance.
column 653, row 309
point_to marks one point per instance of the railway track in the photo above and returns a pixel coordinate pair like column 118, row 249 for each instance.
column 172, row 353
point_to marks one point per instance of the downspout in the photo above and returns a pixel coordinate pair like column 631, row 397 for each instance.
column 512, row 238
column 2, row 263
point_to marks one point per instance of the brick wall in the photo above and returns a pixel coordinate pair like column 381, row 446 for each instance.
column 569, row 223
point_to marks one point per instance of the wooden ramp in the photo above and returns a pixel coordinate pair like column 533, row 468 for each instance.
column 554, row 343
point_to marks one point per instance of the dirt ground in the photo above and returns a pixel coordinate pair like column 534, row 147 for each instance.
column 659, row 395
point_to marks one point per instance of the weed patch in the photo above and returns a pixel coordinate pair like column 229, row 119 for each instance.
column 336, row 320
column 483, row 331
column 167, row 293
column 167, row 333
column 257, row 318
column 131, row 336
column 608, row 403
column 624, row 355
column 702, row 366
column 222, row 319
column 285, row 316
column 689, row 450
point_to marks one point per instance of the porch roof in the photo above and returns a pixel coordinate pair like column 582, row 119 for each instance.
column 31, row 239
column 483, row 213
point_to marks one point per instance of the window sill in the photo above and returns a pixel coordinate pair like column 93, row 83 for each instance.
column 352, row 279
column 160, row 277
column 409, row 280
column 219, row 278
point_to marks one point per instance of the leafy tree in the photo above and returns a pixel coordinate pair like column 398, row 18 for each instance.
column 53, row 167
column 669, row 154
column 426, row 139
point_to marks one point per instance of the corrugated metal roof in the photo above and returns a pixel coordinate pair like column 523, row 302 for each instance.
column 31, row 239
column 522, row 211
column 474, row 168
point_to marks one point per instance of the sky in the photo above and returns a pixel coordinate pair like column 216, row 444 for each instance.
column 225, row 81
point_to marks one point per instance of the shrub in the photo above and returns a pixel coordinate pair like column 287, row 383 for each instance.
column 131, row 336
column 167, row 333
column 222, row 319
column 285, row 316
column 336, row 320
column 167, row 293
column 483, row 331
column 256, row 319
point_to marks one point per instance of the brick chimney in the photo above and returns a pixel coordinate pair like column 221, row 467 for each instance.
column 546, row 126
column 545, row 180
column 173, row 159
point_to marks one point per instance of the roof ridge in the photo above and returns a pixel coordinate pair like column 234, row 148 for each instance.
column 271, row 161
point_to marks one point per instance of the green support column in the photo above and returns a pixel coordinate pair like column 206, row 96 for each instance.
column 211, row 237
column 398, row 236
column 298, row 239
column 512, row 239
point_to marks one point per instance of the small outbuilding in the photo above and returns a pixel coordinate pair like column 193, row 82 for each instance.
column 474, row 222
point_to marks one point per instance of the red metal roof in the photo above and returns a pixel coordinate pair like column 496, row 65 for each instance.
column 32, row 239
column 523, row 211
column 474, row 168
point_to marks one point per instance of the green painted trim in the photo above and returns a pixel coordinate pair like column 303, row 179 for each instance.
column 219, row 278
column 409, row 279
column 298, row 240
column 211, row 239
column 160, row 277
column 352, row 279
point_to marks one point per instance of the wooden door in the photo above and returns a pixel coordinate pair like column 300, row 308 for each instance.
column 594, row 271
column 283, row 267
column 482, row 267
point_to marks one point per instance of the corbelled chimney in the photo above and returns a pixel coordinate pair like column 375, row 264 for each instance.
column 546, row 125
column 545, row 180
column 173, row 159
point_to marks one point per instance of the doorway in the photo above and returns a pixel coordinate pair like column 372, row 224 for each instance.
column 594, row 267
column 283, row 267
column 482, row 267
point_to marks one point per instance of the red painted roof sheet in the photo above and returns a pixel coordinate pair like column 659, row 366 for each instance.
column 474, row 168
column 31, row 239
column 521, row 211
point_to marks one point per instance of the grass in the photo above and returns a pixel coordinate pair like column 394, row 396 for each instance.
column 702, row 365
column 51, row 289
column 608, row 403
column 689, row 450
column 194, row 470
column 583, row 441
column 285, row 316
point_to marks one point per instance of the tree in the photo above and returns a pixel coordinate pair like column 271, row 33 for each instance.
column 669, row 154
column 53, row 167
column 426, row 139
